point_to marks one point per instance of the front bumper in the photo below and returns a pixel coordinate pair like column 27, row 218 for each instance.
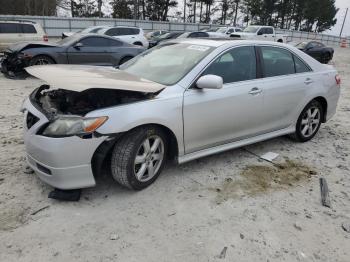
column 63, row 163
column 12, row 65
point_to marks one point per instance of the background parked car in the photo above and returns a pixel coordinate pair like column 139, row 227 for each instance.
column 200, row 34
column 131, row 35
column 259, row 32
column 90, row 29
column 154, row 34
column 228, row 30
column 155, row 41
column 317, row 50
column 90, row 49
column 16, row 31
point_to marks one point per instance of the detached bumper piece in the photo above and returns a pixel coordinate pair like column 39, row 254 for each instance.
column 65, row 195
column 13, row 67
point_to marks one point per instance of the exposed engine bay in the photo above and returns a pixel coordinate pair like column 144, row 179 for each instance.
column 67, row 102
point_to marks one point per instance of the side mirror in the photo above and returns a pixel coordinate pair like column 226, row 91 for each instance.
column 78, row 45
column 210, row 82
column 260, row 33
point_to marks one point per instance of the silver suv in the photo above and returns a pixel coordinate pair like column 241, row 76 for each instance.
column 17, row 30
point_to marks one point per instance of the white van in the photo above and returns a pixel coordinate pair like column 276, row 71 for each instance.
column 17, row 31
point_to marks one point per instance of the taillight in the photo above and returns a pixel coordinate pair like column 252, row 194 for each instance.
column 45, row 38
column 338, row 80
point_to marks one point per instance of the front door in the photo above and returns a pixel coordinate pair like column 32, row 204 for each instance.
column 91, row 51
column 215, row 117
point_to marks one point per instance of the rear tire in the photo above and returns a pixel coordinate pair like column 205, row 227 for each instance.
column 309, row 122
column 41, row 60
column 139, row 157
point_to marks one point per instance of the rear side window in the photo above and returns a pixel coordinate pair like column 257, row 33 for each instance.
column 115, row 42
column 277, row 61
column 10, row 28
column 95, row 41
column 238, row 64
column 28, row 29
column 300, row 66
column 198, row 34
column 118, row 31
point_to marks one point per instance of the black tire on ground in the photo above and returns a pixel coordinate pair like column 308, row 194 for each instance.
column 125, row 59
column 123, row 159
column 299, row 135
column 41, row 60
column 138, row 43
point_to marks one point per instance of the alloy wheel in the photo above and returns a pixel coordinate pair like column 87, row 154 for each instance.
column 149, row 158
column 310, row 121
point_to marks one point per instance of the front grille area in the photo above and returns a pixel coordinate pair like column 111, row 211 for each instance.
column 31, row 120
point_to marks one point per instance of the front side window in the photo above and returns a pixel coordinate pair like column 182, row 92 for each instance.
column 238, row 64
column 167, row 64
column 277, row 61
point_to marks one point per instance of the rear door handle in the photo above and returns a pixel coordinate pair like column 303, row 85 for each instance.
column 255, row 91
column 308, row 81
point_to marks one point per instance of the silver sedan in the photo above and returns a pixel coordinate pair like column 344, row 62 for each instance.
column 181, row 100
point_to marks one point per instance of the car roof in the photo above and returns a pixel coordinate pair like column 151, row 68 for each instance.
column 122, row 26
column 217, row 42
column 18, row 21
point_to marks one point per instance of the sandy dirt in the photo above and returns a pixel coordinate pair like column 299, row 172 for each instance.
column 228, row 207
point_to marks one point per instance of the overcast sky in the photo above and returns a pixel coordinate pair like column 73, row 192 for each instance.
column 342, row 5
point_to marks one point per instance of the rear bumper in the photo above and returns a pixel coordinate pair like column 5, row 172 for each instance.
column 63, row 163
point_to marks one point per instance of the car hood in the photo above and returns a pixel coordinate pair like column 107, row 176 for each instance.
column 80, row 78
column 25, row 45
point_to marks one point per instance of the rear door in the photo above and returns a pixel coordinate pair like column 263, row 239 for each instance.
column 93, row 51
column 215, row 117
column 285, row 83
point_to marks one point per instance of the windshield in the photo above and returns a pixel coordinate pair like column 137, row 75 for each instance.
column 301, row 45
column 167, row 64
column 69, row 40
column 251, row 29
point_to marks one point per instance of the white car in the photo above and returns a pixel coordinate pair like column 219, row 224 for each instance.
column 181, row 100
column 228, row 30
column 258, row 32
column 13, row 31
column 131, row 35
column 88, row 30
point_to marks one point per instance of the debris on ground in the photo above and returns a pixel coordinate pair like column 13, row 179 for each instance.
column 28, row 170
column 346, row 227
column 222, row 253
column 114, row 237
column 65, row 195
column 324, row 193
column 39, row 210
column 269, row 156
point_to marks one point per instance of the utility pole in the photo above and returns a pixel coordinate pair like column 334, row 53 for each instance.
column 184, row 11
column 342, row 27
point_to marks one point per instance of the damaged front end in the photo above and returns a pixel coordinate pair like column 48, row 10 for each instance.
column 66, row 110
column 13, row 64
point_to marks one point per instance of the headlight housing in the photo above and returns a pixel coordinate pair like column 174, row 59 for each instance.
column 73, row 125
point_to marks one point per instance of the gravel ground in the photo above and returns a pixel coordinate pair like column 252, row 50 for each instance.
column 227, row 207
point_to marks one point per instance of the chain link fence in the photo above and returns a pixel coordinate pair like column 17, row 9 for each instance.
column 54, row 26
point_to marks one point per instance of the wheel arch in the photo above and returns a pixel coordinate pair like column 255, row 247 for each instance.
column 324, row 105
column 47, row 55
column 103, row 152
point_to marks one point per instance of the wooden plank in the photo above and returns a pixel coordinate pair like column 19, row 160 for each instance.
column 324, row 193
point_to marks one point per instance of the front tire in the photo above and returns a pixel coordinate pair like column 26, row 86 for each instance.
column 309, row 122
column 41, row 60
column 139, row 157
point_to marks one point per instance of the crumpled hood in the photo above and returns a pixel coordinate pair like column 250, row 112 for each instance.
column 36, row 44
column 81, row 77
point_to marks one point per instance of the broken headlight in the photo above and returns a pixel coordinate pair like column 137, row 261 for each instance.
column 69, row 126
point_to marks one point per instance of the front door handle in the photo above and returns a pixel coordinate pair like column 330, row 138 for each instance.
column 308, row 81
column 255, row 91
